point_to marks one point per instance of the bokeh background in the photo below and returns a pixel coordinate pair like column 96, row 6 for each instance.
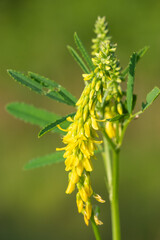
column 33, row 36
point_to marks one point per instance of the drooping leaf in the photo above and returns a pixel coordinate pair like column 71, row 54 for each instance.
column 78, row 59
column 33, row 115
column 130, row 83
column 140, row 54
column 52, row 125
column 53, row 88
column 151, row 96
column 56, row 93
column 49, row 159
column 83, row 51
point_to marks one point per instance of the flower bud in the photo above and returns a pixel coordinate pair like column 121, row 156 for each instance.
column 120, row 108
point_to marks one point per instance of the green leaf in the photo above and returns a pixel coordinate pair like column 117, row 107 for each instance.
column 54, row 89
column 33, row 115
column 51, row 126
column 118, row 117
column 151, row 96
column 26, row 81
column 130, row 83
column 57, row 93
column 83, row 52
column 49, row 159
column 78, row 59
column 140, row 54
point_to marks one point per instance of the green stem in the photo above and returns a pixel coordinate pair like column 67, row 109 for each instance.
column 108, row 167
column 112, row 172
column 115, row 201
column 95, row 229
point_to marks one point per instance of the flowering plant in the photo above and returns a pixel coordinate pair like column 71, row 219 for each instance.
column 103, row 113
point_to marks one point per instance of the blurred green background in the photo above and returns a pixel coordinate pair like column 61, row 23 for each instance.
column 34, row 35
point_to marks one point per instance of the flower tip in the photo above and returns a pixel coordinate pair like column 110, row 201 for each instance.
column 97, row 221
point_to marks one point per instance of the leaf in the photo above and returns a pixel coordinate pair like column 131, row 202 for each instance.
column 56, row 93
column 33, row 115
column 118, row 117
column 130, row 83
column 151, row 96
column 54, row 88
column 140, row 54
column 49, row 159
column 83, row 52
column 78, row 59
column 26, row 81
column 51, row 126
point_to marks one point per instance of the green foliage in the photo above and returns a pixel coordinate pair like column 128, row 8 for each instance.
column 33, row 115
column 130, row 83
column 118, row 118
column 140, row 54
column 78, row 59
column 49, row 159
column 44, row 86
column 53, row 88
column 83, row 52
column 51, row 126
column 151, row 96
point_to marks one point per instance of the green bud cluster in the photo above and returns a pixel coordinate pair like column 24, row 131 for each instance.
column 101, row 32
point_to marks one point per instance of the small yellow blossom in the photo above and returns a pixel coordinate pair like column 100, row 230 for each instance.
column 97, row 221
column 98, row 198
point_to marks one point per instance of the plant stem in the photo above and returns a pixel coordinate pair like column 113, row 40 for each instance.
column 95, row 229
column 108, row 167
column 115, row 201
column 112, row 172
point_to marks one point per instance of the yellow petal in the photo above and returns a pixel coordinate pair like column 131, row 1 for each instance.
column 88, row 209
column 86, row 219
column 110, row 130
column 87, row 165
column 87, row 129
column 97, row 221
column 70, row 188
column 79, row 203
column 98, row 198
column 79, row 169
column 83, row 194
column 120, row 108
column 94, row 123
column 69, row 119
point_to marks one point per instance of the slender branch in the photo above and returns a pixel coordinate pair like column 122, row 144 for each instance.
column 95, row 229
